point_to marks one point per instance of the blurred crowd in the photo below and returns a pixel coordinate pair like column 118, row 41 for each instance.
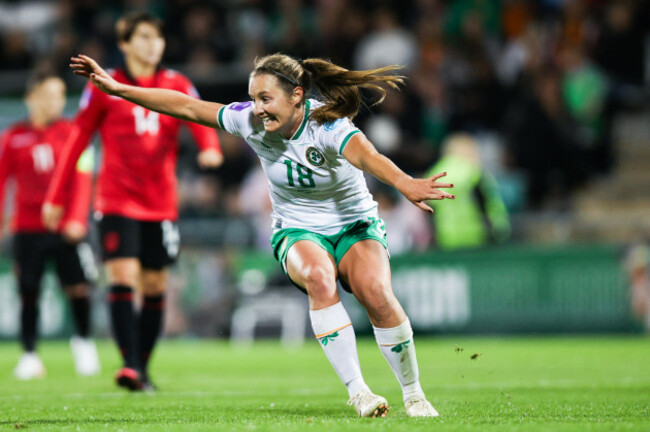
column 536, row 83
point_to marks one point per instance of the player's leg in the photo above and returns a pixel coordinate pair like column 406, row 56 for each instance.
column 150, row 323
column 160, row 248
column 76, row 269
column 84, row 350
column 312, row 268
column 120, row 241
column 366, row 270
column 123, row 275
column 29, row 264
column 79, row 296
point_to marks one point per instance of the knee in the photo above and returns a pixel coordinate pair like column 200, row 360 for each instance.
column 124, row 280
column 154, row 284
column 77, row 291
column 153, row 288
column 374, row 292
column 123, row 272
column 320, row 282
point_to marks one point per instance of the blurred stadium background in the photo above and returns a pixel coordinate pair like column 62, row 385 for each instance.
column 555, row 95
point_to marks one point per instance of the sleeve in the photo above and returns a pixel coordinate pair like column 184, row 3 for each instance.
column 82, row 183
column 336, row 135
column 205, row 137
column 91, row 113
column 235, row 118
column 92, row 106
column 5, row 166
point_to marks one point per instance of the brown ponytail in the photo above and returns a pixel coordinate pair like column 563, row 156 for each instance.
column 338, row 86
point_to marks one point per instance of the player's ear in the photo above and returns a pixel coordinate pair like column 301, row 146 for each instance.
column 296, row 96
column 123, row 46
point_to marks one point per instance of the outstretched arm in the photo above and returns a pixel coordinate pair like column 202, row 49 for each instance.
column 170, row 102
column 362, row 154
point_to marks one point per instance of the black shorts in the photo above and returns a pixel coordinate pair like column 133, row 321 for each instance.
column 155, row 244
column 74, row 263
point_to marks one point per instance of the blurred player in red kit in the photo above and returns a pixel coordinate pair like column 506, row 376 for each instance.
column 136, row 200
column 30, row 150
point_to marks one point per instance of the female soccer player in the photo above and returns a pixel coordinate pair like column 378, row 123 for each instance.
column 136, row 198
column 325, row 220
column 30, row 150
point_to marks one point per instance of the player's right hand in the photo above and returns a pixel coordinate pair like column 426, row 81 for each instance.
column 210, row 159
column 73, row 231
column 51, row 215
column 87, row 67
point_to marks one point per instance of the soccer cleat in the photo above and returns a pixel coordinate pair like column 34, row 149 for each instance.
column 84, row 352
column 29, row 367
column 418, row 406
column 128, row 378
column 368, row 404
column 148, row 387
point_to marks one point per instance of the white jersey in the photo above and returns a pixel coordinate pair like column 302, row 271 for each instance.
column 312, row 185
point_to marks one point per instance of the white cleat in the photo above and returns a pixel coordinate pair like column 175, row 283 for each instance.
column 29, row 367
column 418, row 406
column 84, row 352
column 368, row 404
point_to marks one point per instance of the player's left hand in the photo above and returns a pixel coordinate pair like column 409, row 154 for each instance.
column 210, row 158
column 73, row 231
column 51, row 216
column 418, row 191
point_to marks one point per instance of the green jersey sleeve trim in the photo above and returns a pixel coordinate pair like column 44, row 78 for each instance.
column 346, row 139
column 304, row 122
column 220, row 118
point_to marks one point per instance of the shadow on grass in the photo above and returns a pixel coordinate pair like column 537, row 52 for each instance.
column 287, row 415
column 25, row 424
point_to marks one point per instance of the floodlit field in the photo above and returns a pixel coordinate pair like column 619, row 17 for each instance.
column 512, row 384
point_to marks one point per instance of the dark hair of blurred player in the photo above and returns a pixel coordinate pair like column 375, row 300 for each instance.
column 136, row 201
column 30, row 151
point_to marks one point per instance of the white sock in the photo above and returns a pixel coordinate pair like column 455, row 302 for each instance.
column 333, row 329
column 396, row 344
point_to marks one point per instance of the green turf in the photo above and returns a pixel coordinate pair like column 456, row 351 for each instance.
column 515, row 384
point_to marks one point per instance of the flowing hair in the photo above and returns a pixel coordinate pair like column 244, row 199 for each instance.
column 339, row 87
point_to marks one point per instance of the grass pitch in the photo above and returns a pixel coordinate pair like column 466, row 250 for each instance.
column 477, row 384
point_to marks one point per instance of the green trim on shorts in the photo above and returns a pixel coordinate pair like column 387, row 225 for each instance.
column 336, row 244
